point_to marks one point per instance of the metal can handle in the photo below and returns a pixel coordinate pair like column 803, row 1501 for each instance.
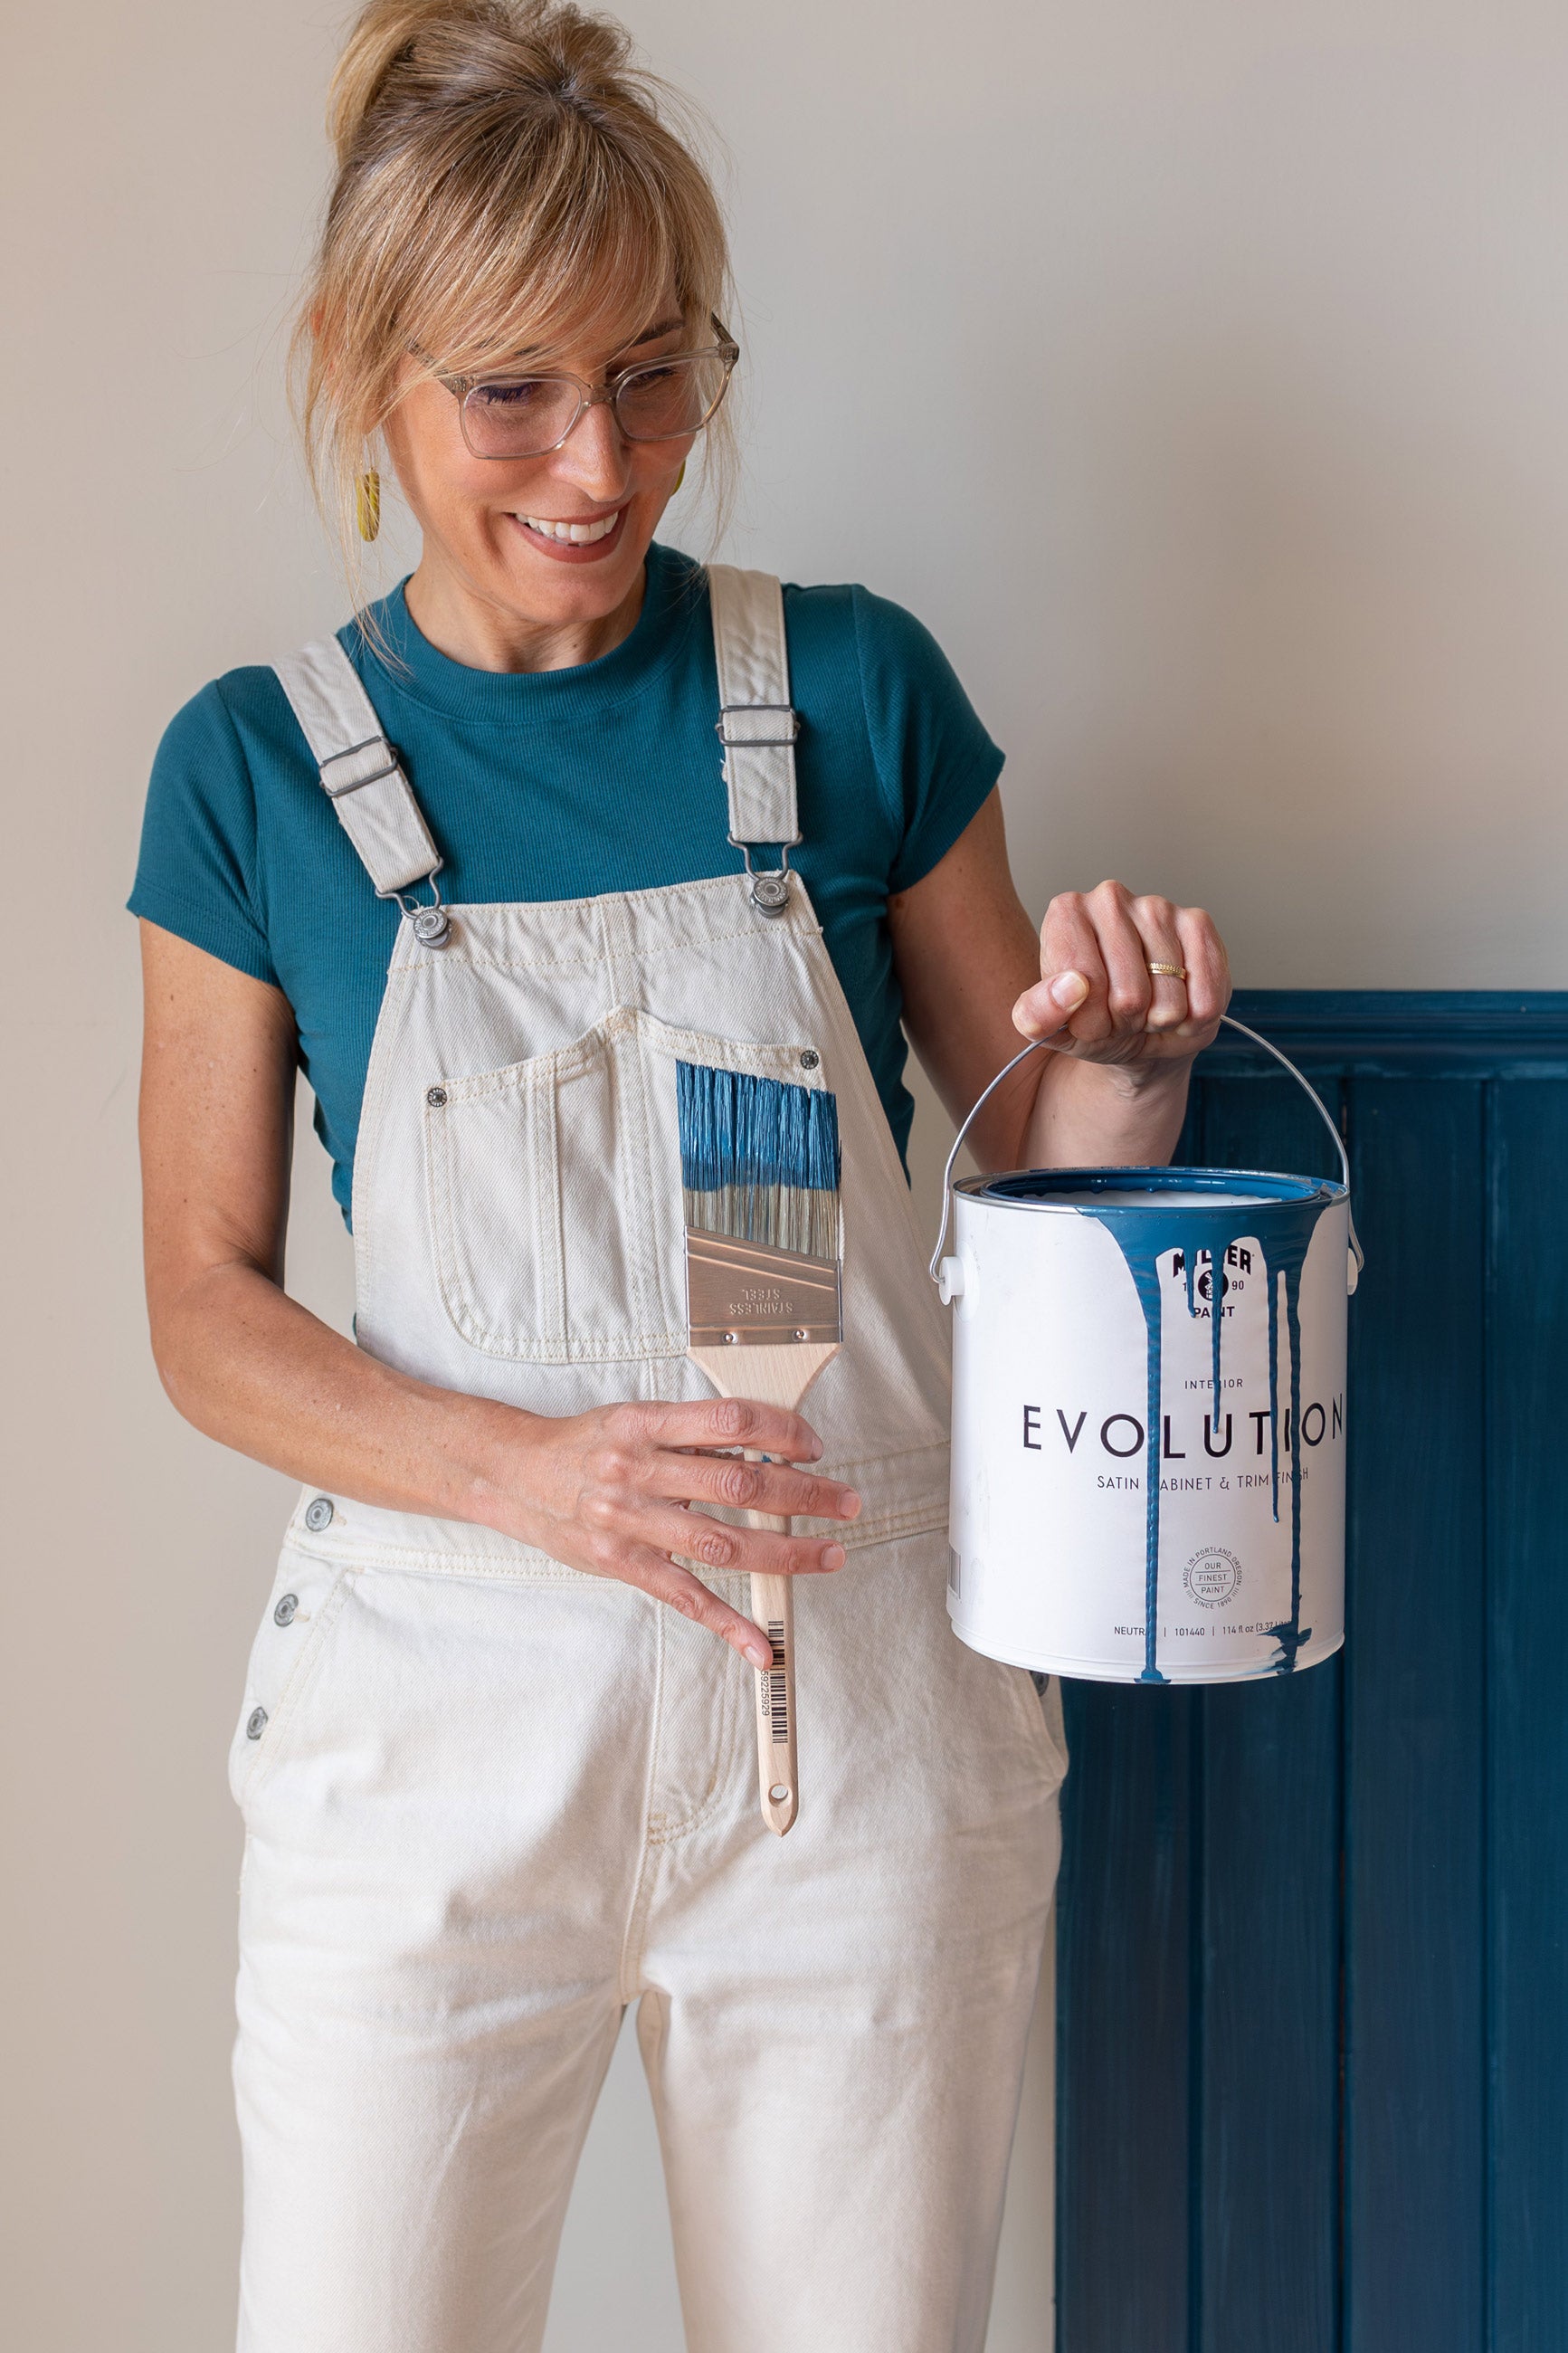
column 1358, row 1256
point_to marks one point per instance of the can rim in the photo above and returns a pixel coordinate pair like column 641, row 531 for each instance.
column 1031, row 1188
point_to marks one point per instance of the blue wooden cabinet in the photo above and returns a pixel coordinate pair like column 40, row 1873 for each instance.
column 1313, row 1933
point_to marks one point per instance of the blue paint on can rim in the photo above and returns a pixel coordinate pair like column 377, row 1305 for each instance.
column 1282, row 1216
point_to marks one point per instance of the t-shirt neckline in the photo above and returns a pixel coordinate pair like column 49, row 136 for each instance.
column 673, row 595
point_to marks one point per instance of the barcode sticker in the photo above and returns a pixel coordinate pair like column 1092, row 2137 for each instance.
column 775, row 1687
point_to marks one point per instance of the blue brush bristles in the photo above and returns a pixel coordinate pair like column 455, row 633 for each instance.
column 739, row 1130
column 759, row 1158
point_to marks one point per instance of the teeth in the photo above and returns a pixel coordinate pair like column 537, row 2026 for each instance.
column 574, row 534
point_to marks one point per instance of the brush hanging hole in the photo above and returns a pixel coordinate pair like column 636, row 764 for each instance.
column 778, row 1793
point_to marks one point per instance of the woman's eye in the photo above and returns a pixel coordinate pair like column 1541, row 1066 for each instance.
column 530, row 393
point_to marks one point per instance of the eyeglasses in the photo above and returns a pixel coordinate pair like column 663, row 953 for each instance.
column 656, row 400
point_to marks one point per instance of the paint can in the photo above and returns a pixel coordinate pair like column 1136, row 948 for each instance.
column 1149, row 1416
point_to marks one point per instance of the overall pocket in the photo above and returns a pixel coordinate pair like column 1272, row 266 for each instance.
column 556, row 1191
column 306, row 1602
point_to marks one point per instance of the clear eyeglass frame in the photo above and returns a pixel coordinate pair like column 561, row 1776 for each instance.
column 463, row 388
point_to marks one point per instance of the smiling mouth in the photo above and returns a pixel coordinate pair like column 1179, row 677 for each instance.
column 571, row 534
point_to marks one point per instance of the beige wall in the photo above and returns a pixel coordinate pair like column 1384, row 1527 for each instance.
column 1197, row 371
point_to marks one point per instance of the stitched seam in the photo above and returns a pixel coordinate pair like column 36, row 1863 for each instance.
column 298, row 1685
column 647, row 1867
column 697, row 886
column 548, row 1210
column 647, row 954
column 399, row 1560
column 641, row 1232
column 719, row 1787
column 722, row 1585
column 829, row 989
column 1036, row 1732
column 371, row 1130
column 845, row 1463
column 630, row 1348
column 568, row 1061
column 628, row 1100
column 367, row 1553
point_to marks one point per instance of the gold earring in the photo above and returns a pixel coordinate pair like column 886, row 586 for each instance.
column 680, row 478
column 367, row 503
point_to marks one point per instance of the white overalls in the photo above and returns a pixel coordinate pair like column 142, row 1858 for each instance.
column 491, row 1800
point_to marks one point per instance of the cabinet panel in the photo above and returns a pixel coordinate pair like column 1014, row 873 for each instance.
column 1313, row 2009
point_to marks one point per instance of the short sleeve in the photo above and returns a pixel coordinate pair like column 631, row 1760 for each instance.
column 198, row 871
column 934, row 761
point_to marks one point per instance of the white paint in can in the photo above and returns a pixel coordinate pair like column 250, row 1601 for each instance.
column 1116, row 1514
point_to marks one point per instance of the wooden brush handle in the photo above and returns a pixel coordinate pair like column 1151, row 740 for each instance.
column 773, row 1609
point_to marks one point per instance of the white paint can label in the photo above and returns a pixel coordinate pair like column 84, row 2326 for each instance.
column 1149, row 1422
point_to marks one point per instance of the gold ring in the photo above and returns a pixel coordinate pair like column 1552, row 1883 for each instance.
column 1169, row 971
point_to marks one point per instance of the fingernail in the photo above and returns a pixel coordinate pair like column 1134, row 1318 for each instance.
column 832, row 1555
column 759, row 1655
column 848, row 1503
column 1024, row 1020
column 1068, row 989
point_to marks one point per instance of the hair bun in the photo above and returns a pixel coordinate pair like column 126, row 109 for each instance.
column 428, row 52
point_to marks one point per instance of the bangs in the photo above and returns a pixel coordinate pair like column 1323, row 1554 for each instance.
column 554, row 252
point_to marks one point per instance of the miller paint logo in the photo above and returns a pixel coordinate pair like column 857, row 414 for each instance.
column 1212, row 1577
column 1236, row 1257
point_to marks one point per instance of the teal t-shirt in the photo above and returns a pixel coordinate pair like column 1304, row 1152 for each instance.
column 560, row 784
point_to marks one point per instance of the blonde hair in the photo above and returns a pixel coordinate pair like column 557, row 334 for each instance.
column 507, row 179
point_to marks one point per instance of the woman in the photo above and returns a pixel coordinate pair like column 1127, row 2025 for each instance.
column 494, row 1757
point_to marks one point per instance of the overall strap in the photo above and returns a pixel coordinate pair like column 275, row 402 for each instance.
column 362, row 777
column 757, row 723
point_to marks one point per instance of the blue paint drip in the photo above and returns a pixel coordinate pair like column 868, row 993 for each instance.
column 1282, row 1219
column 1146, row 1278
column 1290, row 1637
column 1292, row 1634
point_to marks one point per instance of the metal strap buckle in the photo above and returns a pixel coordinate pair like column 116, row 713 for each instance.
column 784, row 850
column 431, row 924
column 748, row 743
column 378, row 746
column 770, row 884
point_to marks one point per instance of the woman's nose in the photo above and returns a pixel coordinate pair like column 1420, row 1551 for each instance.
column 593, row 456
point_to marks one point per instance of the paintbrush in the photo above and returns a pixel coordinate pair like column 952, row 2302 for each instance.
column 759, row 1172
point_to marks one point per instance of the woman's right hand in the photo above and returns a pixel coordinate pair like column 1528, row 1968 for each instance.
column 617, row 1491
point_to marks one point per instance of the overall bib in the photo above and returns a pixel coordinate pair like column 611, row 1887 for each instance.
column 491, row 1800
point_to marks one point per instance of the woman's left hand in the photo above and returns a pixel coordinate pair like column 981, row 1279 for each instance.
column 1097, row 999
column 1114, row 1090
